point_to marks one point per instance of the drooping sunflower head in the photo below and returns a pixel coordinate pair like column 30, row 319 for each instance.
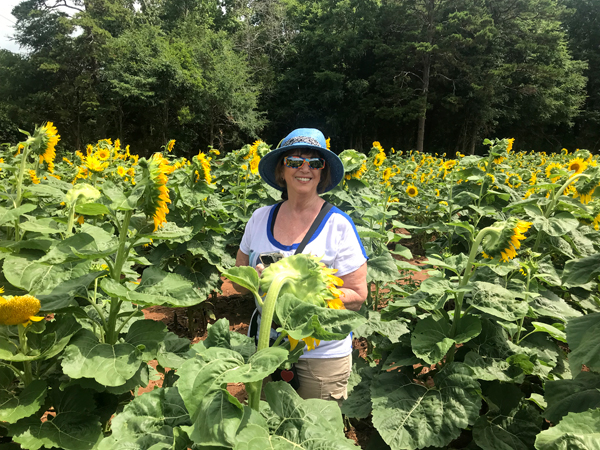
column 170, row 145
column 44, row 141
column 514, row 180
column 18, row 310
column 584, row 187
column 379, row 159
column 377, row 146
column 553, row 172
column 156, row 194
column 412, row 191
column 509, row 145
column 309, row 280
column 505, row 239
column 204, row 168
column 577, row 165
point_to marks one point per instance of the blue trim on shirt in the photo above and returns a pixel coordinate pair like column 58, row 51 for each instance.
column 280, row 246
column 339, row 211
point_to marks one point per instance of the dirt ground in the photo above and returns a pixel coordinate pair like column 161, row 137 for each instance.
column 237, row 307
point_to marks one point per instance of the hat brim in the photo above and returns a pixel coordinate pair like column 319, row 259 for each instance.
column 268, row 164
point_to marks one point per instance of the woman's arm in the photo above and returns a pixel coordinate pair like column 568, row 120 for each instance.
column 241, row 259
column 355, row 288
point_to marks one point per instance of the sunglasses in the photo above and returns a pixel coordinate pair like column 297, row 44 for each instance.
column 296, row 162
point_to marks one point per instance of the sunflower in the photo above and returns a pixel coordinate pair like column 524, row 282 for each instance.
column 50, row 137
column 578, row 165
column 386, row 175
column 254, row 163
column 449, row 164
column 103, row 154
column 499, row 159
column 94, row 164
column 552, row 172
column 311, row 342
column 121, row 171
column 34, row 178
column 379, row 159
column 18, row 310
column 514, row 180
column 596, row 222
column 378, row 147
column 412, row 191
column 158, row 193
column 507, row 239
column 492, row 177
column 328, row 143
column 357, row 174
column 584, row 187
column 437, row 192
column 510, row 145
column 205, row 166
column 170, row 145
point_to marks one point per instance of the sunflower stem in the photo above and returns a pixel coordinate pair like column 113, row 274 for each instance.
column 518, row 334
column 19, row 198
column 24, row 348
column 254, row 389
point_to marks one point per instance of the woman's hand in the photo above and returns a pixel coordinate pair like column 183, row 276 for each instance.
column 259, row 269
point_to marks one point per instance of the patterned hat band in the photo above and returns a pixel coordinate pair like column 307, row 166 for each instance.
column 301, row 140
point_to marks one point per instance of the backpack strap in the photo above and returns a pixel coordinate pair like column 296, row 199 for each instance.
column 324, row 210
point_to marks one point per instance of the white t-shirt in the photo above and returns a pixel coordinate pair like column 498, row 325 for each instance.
column 335, row 240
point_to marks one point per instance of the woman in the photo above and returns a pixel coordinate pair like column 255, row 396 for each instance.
column 302, row 167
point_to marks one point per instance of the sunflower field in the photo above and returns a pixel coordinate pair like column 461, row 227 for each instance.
column 498, row 348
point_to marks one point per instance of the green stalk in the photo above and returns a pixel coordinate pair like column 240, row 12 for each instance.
column 71, row 219
column 268, row 310
column 467, row 276
column 19, row 198
column 24, row 349
column 518, row 334
column 122, row 253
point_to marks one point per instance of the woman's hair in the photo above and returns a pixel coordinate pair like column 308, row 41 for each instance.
column 325, row 172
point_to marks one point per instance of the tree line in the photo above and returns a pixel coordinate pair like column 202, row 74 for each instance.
column 433, row 75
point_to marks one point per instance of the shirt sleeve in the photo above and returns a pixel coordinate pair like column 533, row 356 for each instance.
column 351, row 254
column 246, row 244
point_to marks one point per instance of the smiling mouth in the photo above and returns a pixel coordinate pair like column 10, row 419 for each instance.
column 303, row 179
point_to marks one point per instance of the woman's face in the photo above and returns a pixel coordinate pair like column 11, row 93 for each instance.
column 303, row 180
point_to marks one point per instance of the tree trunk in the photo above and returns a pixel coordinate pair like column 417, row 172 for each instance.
column 430, row 23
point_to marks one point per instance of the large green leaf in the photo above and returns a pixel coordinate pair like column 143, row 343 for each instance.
column 111, row 365
column 489, row 369
column 579, row 431
column 300, row 319
column 16, row 404
column 45, row 344
column 156, row 288
column 12, row 214
column 432, row 337
column 559, row 225
column 74, row 426
column 245, row 276
column 215, row 414
column 583, row 336
column 580, row 271
column 358, row 404
column 566, row 396
column 91, row 243
column 551, row 305
column 392, row 329
column 497, row 301
column 409, row 415
column 27, row 273
column 43, row 225
column 63, row 296
column 150, row 334
column 382, row 268
column 297, row 424
column 515, row 431
column 150, row 421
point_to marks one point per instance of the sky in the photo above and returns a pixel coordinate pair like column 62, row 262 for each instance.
column 7, row 20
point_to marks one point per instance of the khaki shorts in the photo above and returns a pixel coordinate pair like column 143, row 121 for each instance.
column 324, row 378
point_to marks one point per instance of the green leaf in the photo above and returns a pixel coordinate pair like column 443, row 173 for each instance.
column 17, row 405
column 28, row 274
column 151, row 421
column 431, row 338
column 148, row 333
column 300, row 319
column 515, row 431
column 10, row 215
column 63, row 296
column 583, row 336
column 559, row 225
column 245, row 276
column 299, row 424
column 571, row 396
column 111, row 365
column 91, row 243
column 358, row 404
column 392, row 330
column 497, row 301
column 91, row 209
column 382, row 268
column 551, row 305
column 580, row 271
column 43, row 225
column 411, row 415
column 574, row 431
column 73, row 427
column 173, row 351
column 487, row 368
column 552, row 331
column 156, row 288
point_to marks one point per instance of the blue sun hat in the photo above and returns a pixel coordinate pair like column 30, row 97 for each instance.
column 309, row 138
